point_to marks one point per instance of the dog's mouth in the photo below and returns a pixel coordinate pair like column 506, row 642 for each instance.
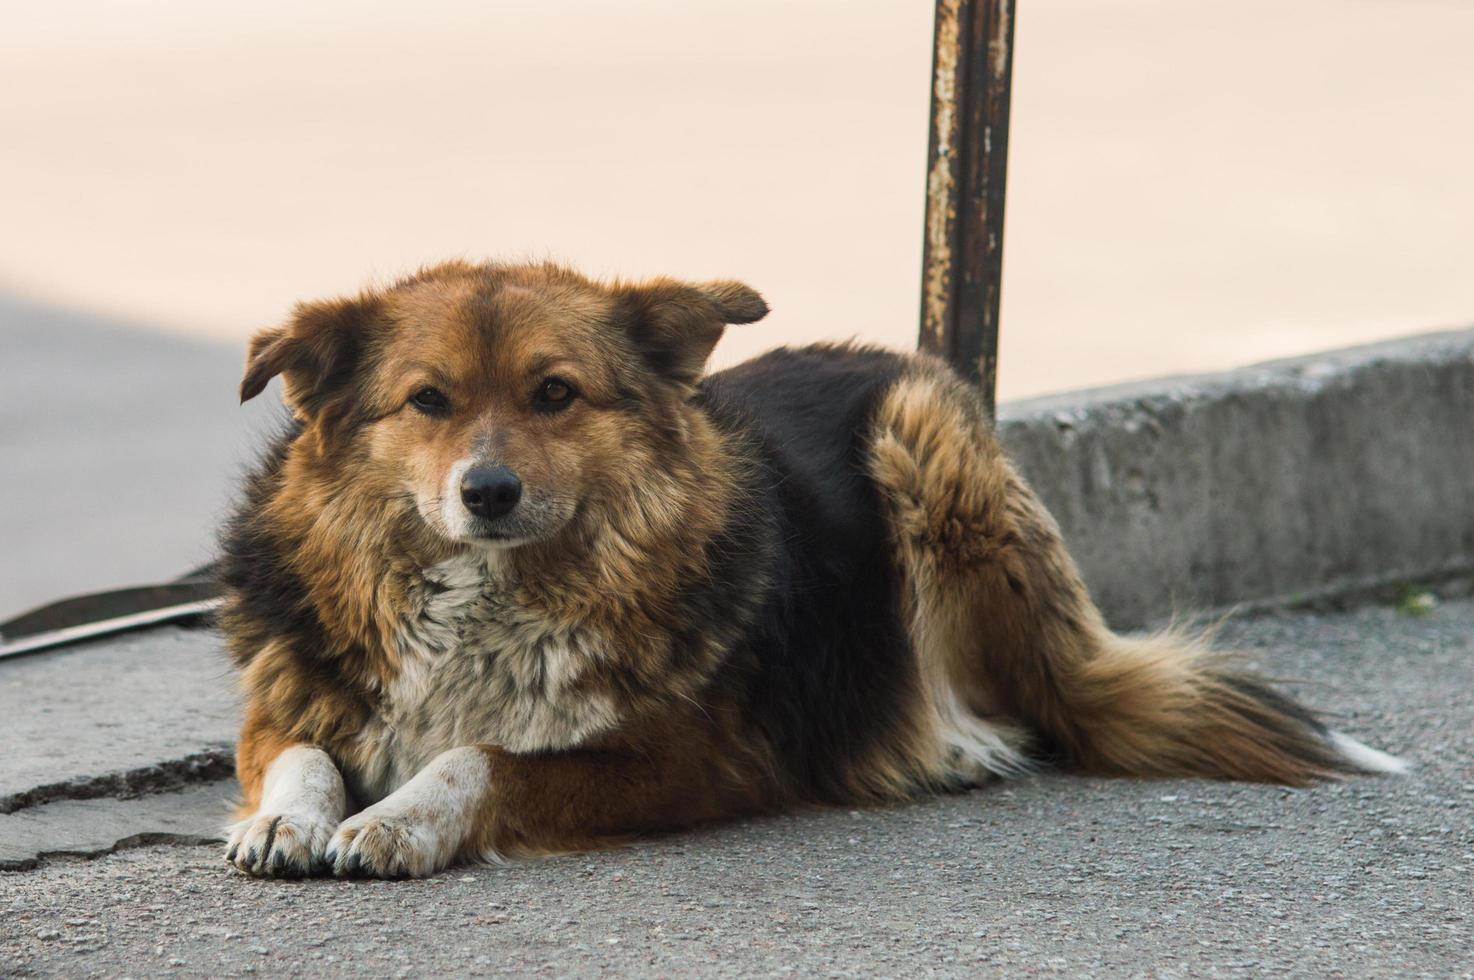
column 534, row 520
column 497, row 538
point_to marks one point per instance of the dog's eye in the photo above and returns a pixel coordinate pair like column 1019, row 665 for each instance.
column 554, row 395
column 431, row 401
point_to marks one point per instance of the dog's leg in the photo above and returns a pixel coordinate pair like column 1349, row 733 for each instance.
column 420, row 827
column 482, row 803
column 301, row 799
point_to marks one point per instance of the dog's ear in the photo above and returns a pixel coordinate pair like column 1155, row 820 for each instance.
column 315, row 353
column 676, row 324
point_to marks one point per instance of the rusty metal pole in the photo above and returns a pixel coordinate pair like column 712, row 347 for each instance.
column 967, row 170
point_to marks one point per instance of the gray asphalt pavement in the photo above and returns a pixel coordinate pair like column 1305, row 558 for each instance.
column 118, row 449
column 1046, row 875
column 124, row 713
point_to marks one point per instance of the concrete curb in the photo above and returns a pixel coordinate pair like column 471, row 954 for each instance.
column 1328, row 473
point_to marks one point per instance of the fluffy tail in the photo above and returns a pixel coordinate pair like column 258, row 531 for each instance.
column 1164, row 705
column 998, row 599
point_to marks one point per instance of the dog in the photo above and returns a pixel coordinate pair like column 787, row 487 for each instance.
column 519, row 579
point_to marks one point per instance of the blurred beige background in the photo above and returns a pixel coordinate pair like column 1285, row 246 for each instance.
column 1194, row 184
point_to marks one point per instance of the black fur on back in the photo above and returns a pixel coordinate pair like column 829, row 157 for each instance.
column 824, row 660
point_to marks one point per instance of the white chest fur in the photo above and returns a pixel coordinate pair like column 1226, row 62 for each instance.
column 476, row 668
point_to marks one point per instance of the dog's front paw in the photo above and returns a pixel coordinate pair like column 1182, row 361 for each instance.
column 388, row 843
column 279, row 845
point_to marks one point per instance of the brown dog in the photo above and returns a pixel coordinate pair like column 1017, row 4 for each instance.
column 518, row 580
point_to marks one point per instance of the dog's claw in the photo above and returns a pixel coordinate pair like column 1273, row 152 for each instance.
column 278, row 845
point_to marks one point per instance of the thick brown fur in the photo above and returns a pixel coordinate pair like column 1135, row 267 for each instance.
column 816, row 578
column 996, row 595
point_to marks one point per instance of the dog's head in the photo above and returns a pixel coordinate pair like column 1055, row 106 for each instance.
column 501, row 400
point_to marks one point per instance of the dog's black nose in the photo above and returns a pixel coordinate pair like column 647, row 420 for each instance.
column 490, row 491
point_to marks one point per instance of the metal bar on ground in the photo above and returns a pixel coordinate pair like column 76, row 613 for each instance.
column 967, row 170
column 186, row 612
column 86, row 617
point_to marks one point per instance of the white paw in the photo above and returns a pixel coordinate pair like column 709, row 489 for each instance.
column 279, row 845
column 389, row 842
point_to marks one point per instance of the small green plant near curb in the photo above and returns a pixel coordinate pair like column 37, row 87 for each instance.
column 1413, row 601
